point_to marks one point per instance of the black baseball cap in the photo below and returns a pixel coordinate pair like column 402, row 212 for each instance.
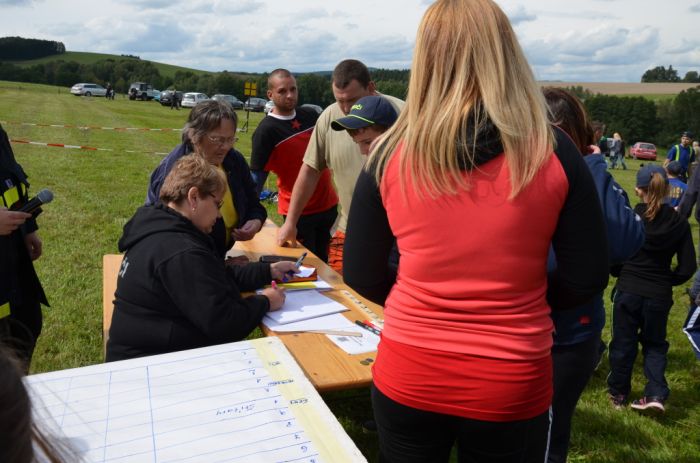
column 368, row 110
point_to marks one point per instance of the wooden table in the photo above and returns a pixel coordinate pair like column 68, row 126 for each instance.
column 327, row 366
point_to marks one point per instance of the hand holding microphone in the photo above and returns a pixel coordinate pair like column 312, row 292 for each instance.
column 30, row 207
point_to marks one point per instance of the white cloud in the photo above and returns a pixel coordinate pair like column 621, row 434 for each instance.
column 599, row 39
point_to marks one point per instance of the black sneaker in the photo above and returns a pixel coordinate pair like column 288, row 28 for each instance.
column 618, row 401
column 655, row 404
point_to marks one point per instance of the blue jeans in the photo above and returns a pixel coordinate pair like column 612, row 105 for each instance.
column 639, row 320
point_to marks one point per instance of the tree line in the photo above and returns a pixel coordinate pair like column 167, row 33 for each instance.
column 636, row 118
column 120, row 72
column 661, row 74
column 641, row 119
column 18, row 48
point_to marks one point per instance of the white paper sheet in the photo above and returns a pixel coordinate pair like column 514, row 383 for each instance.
column 327, row 322
column 303, row 305
column 355, row 344
column 241, row 402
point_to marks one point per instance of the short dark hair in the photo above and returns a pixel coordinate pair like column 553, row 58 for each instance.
column 348, row 70
column 205, row 117
column 279, row 72
column 567, row 112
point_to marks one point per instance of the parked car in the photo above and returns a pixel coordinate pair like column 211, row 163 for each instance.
column 84, row 89
column 642, row 150
column 190, row 99
column 315, row 107
column 142, row 91
column 268, row 106
column 235, row 102
column 255, row 104
column 166, row 95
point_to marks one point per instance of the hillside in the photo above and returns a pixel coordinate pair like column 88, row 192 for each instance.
column 82, row 57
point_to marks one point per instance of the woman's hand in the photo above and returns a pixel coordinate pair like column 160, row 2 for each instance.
column 247, row 231
column 276, row 297
column 282, row 270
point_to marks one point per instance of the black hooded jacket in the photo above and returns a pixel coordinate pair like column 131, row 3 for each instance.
column 174, row 292
column 648, row 273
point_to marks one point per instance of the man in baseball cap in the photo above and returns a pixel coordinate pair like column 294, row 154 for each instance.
column 370, row 117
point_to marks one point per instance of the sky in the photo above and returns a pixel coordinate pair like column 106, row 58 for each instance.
column 564, row 40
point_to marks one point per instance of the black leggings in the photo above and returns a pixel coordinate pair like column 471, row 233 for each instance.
column 314, row 231
column 408, row 435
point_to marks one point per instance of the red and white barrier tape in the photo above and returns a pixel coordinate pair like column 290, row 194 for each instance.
column 92, row 127
column 79, row 147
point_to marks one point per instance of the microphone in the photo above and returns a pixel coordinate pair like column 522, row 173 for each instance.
column 43, row 197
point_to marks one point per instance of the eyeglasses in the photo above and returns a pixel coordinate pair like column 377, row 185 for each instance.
column 219, row 204
column 223, row 141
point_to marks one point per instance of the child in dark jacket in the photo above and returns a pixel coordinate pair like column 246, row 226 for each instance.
column 644, row 297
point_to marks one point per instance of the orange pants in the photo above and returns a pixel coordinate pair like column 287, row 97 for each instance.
column 335, row 251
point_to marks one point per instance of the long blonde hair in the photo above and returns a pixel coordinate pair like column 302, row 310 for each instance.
column 467, row 67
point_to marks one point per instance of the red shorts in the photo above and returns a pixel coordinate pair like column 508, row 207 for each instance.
column 335, row 251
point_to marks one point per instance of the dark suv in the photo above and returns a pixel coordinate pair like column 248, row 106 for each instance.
column 166, row 96
column 255, row 104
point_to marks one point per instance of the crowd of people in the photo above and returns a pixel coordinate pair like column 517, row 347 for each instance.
column 488, row 343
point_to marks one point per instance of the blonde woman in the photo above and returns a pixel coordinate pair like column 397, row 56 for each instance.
column 473, row 184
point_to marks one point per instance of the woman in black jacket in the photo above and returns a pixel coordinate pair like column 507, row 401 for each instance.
column 174, row 292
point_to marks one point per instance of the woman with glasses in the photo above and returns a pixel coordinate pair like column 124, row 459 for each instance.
column 210, row 132
column 174, row 292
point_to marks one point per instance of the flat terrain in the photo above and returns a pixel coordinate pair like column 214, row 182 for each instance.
column 625, row 88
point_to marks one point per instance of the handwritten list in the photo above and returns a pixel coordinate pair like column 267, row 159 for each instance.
column 238, row 402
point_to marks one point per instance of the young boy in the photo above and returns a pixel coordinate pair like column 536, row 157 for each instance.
column 677, row 186
column 370, row 117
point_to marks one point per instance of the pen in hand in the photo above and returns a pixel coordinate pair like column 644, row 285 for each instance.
column 297, row 264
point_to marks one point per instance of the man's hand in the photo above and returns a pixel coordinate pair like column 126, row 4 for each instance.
column 11, row 220
column 33, row 244
column 248, row 230
column 287, row 234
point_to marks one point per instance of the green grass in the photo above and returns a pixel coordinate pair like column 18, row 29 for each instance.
column 96, row 192
column 82, row 57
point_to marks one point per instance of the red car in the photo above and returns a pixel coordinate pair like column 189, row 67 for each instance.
column 642, row 150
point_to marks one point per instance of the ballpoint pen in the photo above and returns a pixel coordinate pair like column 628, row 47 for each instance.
column 297, row 264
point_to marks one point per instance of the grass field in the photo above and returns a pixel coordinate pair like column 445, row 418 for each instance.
column 96, row 192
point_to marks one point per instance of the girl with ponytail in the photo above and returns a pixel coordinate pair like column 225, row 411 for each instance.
column 643, row 296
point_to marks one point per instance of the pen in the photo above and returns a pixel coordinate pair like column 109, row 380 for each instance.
column 371, row 329
column 297, row 264
column 369, row 323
